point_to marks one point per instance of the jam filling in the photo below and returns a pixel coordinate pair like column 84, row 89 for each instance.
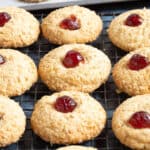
column 72, row 59
column 4, row 18
column 70, row 23
column 2, row 60
column 140, row 120
column 138, row 62
column 65, row 104
column 133, row 20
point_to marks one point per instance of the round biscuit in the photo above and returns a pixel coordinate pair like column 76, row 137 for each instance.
column 91, row 26
column 130, row 38
column 76, row 147
column 17, row 74
column 12, row 121
column 130, row 81
column 21, row 30
column 68, row 128
column 129, row 136
column 85, row 77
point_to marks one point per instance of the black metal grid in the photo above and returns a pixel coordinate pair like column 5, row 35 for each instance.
column 106, row 94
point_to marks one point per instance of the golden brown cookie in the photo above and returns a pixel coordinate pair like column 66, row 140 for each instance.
column 130, row 30
column 73, row 24
column 17, row 72
column 65, row 118
column 92, row 70
column 18, row 28
column 76, row 147
column 131, row 122
column 12, row 121
column 132, row 73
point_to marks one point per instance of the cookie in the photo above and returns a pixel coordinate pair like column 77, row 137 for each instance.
column 73, row 24
column 131, row 122
column 131, row 74
column 18, row 27
column 76, row 147
column 130, row 30
column 74, row 67
column 65, row 118
column 33, row 1
column 12, row 121
column 17, row 72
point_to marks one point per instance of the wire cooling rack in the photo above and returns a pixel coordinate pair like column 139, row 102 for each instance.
column 106, row 94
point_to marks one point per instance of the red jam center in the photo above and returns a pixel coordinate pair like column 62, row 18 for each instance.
column 70, row 23
column 138, row 62
column 4, row 18
column 2, row 60
column 65, row 104
column 140, row 120
column 72, row 59
column 133, row 20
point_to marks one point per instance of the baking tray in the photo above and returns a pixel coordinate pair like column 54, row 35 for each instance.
column 106, row 94
column 54, row 3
